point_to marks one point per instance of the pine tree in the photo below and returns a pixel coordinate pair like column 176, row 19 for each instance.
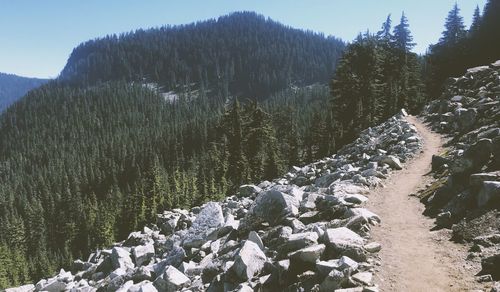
column 454, row 27
column 402, row 38
column 476, row 21
column 236, row 159
column 385, row 32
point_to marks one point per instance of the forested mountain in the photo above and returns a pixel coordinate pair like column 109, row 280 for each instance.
column 460, row 48
column 89, row 157
column 13, row 87
column 240, row 54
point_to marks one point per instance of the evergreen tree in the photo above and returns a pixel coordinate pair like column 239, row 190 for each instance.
column 402, row 38
column 454, row 27
column 476, row 21
column 236, row 159
column 385, row 31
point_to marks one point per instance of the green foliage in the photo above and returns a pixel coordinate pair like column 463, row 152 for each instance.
column 376, row 77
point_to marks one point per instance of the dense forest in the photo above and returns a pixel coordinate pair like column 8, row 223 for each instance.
column 13, row 87
column 241, row 54
column 97, row 153
column 82, row 164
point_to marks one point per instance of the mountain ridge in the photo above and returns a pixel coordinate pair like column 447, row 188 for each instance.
column 13, row 87
column 242, row 54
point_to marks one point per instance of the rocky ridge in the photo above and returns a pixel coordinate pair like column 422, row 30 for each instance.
column 466, row 194
column 306, row 231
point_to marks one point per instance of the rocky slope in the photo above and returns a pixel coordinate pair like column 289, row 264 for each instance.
column 466, row 194
column 305, row 231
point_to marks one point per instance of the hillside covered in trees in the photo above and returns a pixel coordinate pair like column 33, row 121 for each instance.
column 13, row 87
column 241, row 54
column 97, row 153
column 84, row 163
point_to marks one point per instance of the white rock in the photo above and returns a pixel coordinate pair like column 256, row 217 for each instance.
column 143, row 253
column 364, row 277
column 309, row 254
column 344, row 241
column 365, row 213
column 254, row 237
column 392, row 161
column 271, row 206
column 373, row 247
column 347, row 263
column 24, row 288
column 120, row 258
column 208, row 220
column 249, row 261
column 171, row 280
column 332, row 281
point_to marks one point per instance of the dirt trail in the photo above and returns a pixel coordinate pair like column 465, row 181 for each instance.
column 414, row 258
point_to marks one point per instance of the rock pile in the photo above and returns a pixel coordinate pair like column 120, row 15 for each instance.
column 466, row 196
column 306, row 231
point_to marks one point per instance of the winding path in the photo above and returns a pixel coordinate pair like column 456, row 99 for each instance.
column 413, row 258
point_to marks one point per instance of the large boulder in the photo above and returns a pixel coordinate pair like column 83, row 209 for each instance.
column 297, row 241
column 168, row 222
column 465, row 119
column 143, row 253
column 333, row 281
column 171, row 280
column 310, row 254
column 174, row 258
column 54, row 285
column 343, row 241
column 271, row 206
column 120, row 258
column 490, row 265
column 490, row 192
column 473, row 158
column 249, row 261
column 496, row 153
column 248, row 191
column 208, row 221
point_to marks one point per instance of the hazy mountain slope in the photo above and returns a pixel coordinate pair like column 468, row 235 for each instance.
column 13, row 87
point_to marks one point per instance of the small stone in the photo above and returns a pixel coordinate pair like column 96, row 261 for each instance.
column 373, row 247
column 364, row 278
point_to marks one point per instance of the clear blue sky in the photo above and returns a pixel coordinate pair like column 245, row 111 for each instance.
column 37, row 36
